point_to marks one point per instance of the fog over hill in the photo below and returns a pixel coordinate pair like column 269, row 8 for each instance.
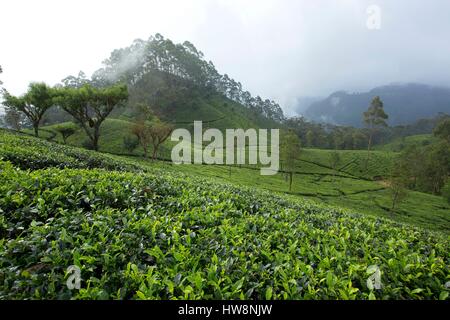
column 279, row 50
column 404, row 103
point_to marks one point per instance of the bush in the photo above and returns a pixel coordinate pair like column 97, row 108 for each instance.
column 130, row 143
column 66, row 131
column 28, row 152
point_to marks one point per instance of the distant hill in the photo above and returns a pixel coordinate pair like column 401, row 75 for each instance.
column 404, row 103
column 179, row 85
column 185, row 102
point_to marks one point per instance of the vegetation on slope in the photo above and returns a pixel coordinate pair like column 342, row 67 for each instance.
column 313, row 178
column 169, row 235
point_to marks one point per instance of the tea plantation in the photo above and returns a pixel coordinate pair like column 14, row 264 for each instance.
column 143, row 232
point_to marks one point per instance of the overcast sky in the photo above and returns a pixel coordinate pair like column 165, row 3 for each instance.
column 279, row 49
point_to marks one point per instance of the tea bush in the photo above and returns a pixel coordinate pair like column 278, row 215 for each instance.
column 30, row 153
column 162, row 236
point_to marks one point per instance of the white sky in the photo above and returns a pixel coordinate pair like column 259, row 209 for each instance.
column 279, row 49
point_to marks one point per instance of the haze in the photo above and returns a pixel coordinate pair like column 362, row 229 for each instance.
column 280, row 50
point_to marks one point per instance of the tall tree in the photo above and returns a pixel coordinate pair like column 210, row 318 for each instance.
column 154, row 134
column 398, row 182
column 374, row 118
column 335, row 160
column 291, row 148
column 33, row 104
column 310, row 138
column 90, row 106
column 14, row 119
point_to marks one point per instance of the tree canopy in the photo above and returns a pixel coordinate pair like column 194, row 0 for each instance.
column 183, row 61
column 90, row 105
column 33, row 104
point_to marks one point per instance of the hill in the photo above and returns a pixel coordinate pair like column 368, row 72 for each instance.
column 404, row 103
column 160, row 234
column 178, row 85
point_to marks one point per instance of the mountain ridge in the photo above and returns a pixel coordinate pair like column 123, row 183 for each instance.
column 403, row 102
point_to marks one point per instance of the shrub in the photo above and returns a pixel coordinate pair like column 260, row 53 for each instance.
column 130, row 143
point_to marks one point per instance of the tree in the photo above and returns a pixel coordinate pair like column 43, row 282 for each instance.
column 66, row 131
column 358, row 140
column 442, row 130
column 36, row 101
column 398, row 182
column 90, row 106
column 141, row 131
column 159, row 132
column 398, row 191
column 1, row 71
column 310, row 138
column 374, row 118
column 153, row 134
column 412, row 160
column 14, row 119
column 291, row 148
column 436, row 167
column 335, row 160
column 337, row 139
column 130, row 143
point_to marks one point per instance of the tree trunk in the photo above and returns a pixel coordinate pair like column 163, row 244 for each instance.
column 290, row 180
column 145, row 150
column 96, row 137
column 155, row 152
column 368, row 149
column 394, row 201
column 36, row 130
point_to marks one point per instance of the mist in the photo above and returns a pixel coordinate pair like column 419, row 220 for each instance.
column 281, row 50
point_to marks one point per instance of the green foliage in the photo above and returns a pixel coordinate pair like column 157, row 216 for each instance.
column 375, row 115
column 179, row 71
column 66, row 130
column 158, row 236
column 428, row 167
column 442, row 129
column 90, row 106
column 28, row 153
column 161, row 234
column 130, row 143
column 14, row 119
column 33, row 104
column 335, row 159
column 446, row 192
column 290, row 150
